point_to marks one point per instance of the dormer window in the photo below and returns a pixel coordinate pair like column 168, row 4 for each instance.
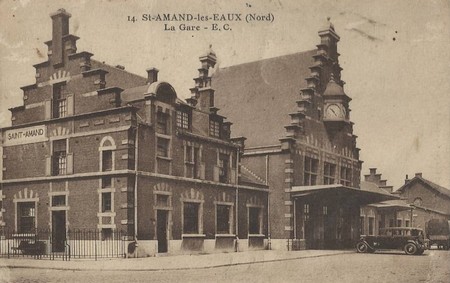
column 183, row 119
column 214, row 128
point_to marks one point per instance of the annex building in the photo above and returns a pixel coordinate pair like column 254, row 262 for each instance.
column 95, row 147
column 295, row 114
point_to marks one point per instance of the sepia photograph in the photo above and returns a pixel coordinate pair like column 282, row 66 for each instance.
column 224, row 141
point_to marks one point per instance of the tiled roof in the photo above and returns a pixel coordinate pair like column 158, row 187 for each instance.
column 430, row 184
column 259, row 96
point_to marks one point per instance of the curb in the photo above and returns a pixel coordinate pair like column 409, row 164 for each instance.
column 175, row 268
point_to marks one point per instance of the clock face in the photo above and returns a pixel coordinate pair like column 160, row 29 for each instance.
column 335, row 111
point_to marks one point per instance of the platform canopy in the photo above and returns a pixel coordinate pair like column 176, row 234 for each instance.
column 338, row 191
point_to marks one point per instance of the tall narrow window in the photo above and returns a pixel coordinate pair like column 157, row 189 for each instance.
column 107, row 160
column 371, row 225
column 106, row 202
column 59, row 157
column 310, row 171
column 26, row 217
column 223, row 218
column 191, row 218
column 254, row 220
column 183, row 120
column 162, row 147
column 329, row 173
column 196, row 162
column 346, row 176
column 162, row 122
column 59, row 102
column 224, row 163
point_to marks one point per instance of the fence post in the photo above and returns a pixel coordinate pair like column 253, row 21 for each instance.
column 95, row 245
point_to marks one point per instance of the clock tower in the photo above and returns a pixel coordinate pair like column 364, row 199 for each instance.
column 336, row 106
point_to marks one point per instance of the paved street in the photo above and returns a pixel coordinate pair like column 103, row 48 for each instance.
column 433, row 266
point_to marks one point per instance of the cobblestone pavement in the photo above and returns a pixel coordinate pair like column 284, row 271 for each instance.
column 433, row 266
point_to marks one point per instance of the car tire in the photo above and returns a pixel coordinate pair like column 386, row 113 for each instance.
column 410, row 249
column 362, row 247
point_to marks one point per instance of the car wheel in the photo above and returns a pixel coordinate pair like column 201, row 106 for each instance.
column 362, row 247
column 410, row 249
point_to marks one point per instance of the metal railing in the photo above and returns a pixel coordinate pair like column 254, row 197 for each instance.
column 79, row 243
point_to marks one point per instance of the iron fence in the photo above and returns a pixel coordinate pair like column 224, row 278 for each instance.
column 79, row 243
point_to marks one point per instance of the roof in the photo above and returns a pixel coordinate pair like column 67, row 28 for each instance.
column 333, row 89
column 118, row 77
column 363, row 196
column 259, row 96
column 392, row 204
column 431, row 185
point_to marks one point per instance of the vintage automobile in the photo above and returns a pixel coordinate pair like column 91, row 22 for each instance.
column 411, row 240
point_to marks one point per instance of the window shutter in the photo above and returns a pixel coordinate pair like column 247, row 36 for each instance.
column 48, row 166
column 202, row 171
column 70, row 105
column 48, row 109
column 216, row 173
column 70, row 163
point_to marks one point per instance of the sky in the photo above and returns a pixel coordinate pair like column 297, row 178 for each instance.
column 394, row 54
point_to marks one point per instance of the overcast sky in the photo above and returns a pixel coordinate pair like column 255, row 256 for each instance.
column 395, row 56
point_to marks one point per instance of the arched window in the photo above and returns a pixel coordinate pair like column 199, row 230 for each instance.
column 106, row 149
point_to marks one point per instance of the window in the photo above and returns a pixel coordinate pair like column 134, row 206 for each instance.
column 361, row 225
column 106, row 182
column 27, row 217
column 325, row 210
column 107, row 160
column 162, row 200
column 391, row 222
column 310, row 172
column 162, row 122
column 224, row 161
column 183, row 120
column 254, row 220
column 189, row 154
column 106, row 202
column 190, row 218
column 223, row 219
column 214, row 128
column 306, row 212
column 59, row 200
column 346, row 176
column 399, row 223
column 59, row 157
column 59, row 103
column 196, row 161
column 107, row 234
column 371, row 225
column 329, row 173
column 406, row 223
column 162, row 147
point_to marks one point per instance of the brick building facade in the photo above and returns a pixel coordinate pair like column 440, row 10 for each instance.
column 96, row 147
column 391, row 213
column 429, row 200
column 312, row 164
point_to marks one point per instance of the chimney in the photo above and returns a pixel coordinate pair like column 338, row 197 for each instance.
column 152, row 75
column 60, row 28
column 419, row 175
column 373, row 171
column 406, row 179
